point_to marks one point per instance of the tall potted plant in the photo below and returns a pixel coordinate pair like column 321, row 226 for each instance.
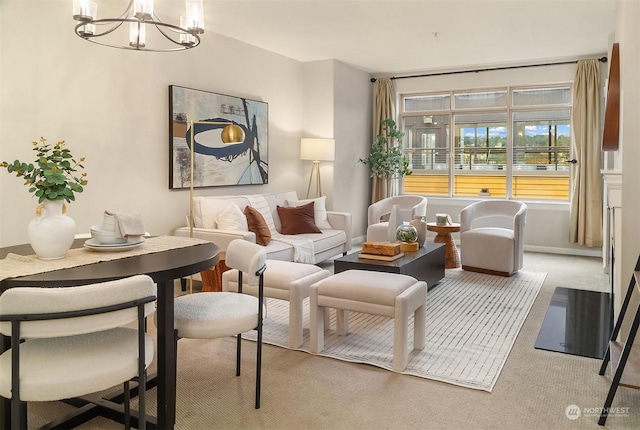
column 53, row 180
column 386, row 159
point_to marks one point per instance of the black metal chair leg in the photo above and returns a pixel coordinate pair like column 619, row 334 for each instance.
column 239, row 336
column 142, row 396
column 258, row 365
column 175, row 383
column 259, row 346
column 127, row 406
column 18, row 408
column 238, row 353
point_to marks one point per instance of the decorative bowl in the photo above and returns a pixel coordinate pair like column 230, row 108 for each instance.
column 100, row 235
column 108, row 223
column 407, row 233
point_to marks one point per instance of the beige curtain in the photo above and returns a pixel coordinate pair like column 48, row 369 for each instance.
column 586, row 191
column 384, row 108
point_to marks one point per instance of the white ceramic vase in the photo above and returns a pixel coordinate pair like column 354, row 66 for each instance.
column 51, row 232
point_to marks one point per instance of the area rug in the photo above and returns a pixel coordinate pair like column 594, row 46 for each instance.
column 473, row 320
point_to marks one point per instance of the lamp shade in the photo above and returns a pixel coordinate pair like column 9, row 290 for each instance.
column 317, row 149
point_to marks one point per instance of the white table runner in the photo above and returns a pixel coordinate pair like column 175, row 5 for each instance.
column 20, row 265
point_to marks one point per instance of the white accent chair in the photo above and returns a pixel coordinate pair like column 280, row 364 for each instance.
column 75, row 342
column 285, row 280
column 488, row 248
column 409, row 205
column 214, row 315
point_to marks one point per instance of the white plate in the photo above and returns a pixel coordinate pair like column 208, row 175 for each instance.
column 110, row 247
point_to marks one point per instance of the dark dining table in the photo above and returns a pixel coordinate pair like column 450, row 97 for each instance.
column 163, row 267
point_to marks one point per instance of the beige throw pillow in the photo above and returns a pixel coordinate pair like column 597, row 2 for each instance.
column 232, row 218
column 319, row 211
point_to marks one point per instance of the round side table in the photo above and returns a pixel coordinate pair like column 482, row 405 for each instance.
column 451, row 256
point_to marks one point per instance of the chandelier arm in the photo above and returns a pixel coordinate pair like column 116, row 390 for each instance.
column 129, row 8
column 119, row 22
column 100, row 22
column 177, row 30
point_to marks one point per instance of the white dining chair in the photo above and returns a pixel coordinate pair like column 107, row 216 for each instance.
column 213, row 315
column 72, row 341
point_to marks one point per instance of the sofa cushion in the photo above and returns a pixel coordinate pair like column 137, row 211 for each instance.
column 298, row 220
column 319, row 210
column 327, row 240
column 258, row 225
column 277, row 250
column 207, row 209
column 232, row 218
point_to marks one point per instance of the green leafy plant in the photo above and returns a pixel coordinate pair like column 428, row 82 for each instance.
column 52, row 176
column 386, row 159
column 407, row 233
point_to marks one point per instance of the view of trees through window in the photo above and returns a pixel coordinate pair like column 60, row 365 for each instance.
column 512, row 142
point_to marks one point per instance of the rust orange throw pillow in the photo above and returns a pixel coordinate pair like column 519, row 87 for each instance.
column 258, row 225
column 298, row 220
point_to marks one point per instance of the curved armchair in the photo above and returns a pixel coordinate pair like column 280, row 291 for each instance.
column 490, row 249
column 409, row 205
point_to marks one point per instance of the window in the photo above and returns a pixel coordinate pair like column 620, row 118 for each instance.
column 506, row 142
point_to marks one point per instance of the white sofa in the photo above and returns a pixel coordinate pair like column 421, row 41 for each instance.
column 329, row 243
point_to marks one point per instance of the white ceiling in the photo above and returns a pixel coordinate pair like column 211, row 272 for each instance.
column 400, row 36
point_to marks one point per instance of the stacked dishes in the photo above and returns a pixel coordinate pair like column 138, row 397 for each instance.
column 103, row 237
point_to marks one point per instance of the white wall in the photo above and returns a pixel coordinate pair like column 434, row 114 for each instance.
column 111, row 106
column 353, row 105
column 541, row 234
column 318, row 113
column 338, row 101
column 628, row 35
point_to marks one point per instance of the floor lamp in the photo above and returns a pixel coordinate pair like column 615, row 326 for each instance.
column 317, row 150
column 231, row 134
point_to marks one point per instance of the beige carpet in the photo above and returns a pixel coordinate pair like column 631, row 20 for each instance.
column 473, row 320
column 305, row 391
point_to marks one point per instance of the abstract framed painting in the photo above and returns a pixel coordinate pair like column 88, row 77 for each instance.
column 216, row 163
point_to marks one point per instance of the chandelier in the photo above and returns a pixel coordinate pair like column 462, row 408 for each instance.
column 142, row 26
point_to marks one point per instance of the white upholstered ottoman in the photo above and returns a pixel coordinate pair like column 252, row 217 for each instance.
column 283, row 280
column 378, row 293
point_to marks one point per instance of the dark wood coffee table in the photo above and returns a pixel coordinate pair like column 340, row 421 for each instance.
column 425, row 264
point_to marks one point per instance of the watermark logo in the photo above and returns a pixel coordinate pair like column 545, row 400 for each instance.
column 573, row 412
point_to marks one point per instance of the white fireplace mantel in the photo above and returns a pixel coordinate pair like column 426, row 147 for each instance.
column 612, row 232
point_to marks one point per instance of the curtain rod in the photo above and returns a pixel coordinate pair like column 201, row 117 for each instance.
column 601, row 59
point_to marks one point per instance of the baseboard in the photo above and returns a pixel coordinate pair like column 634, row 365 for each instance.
column 357, row 241
column 596, row 252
